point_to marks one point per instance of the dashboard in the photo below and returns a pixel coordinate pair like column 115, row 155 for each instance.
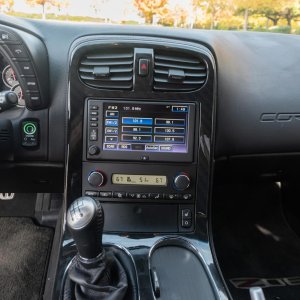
column 144, row 120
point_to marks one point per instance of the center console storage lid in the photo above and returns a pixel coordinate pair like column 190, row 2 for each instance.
column 180, row 274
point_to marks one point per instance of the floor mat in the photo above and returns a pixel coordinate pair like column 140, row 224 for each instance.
column 24, row 249
column 254, row 244
column 21, row 205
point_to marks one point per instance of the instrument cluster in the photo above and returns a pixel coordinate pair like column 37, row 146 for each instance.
column 9, row 81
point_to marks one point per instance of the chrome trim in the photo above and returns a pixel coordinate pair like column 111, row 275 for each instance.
column 185, row 243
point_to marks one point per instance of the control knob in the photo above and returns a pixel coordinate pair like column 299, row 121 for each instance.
column 94, row 150
column 96, row 179
column 182, row 181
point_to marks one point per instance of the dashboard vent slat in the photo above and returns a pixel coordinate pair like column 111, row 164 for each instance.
column 178, row 71
column 110, row 68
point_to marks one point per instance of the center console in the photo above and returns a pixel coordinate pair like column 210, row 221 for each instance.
column 141, row 114
column 138, row 160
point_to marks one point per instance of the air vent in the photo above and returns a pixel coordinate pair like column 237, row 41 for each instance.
column 177, row 71
column 110, row 69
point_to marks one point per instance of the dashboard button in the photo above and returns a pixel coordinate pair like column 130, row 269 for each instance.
column 93, row 134
column 17, row 51
column 145, row 196
column 186, row 214
column 131, row 195
column 143, row 67
column 186, row 223
column 120, row 195
column 92, row 193
column 7, row 37
column 34, row 100
column 31, row 84
column 105, row 194
column 26, row 68
column 186, row 196
column 94, row 113
column 155, row 196
column 94, row 107
column 172, row 196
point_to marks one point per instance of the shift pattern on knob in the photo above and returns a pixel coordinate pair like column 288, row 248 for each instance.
column 80, row 213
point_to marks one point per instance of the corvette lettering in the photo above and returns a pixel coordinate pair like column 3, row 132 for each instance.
column 249, row 282
column 7, row 196
column 280, row 117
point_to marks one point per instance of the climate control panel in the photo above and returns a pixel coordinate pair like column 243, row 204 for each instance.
column 164, row 192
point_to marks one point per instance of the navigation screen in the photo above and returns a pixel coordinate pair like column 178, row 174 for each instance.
column 145, row 127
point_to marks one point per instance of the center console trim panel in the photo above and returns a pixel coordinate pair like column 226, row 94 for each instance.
column 205, row 97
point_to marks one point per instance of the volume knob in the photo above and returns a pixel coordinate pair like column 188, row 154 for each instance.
column 182, row 181
column 96, row 179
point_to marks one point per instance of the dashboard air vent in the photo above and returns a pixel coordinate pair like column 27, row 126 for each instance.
column 177, row 71
column 110, row 69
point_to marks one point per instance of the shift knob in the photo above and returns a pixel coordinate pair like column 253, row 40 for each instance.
column 85, row 219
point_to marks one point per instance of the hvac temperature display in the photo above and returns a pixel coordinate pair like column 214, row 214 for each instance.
column 139, row 179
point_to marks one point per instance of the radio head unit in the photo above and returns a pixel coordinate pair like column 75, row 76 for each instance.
column 132, row 130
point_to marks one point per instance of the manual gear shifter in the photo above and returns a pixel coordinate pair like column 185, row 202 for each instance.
column 85, row 219
column 94, row 273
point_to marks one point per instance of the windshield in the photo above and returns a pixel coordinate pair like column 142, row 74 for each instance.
column 281, row 16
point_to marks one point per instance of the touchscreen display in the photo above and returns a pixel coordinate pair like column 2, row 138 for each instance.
column 145, row 127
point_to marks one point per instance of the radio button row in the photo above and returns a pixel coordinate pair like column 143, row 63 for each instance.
column 143, row 196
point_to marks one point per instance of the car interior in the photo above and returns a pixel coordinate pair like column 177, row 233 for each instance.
column 143, row 162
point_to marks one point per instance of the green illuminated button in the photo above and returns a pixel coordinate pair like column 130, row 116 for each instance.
column 29, row 128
